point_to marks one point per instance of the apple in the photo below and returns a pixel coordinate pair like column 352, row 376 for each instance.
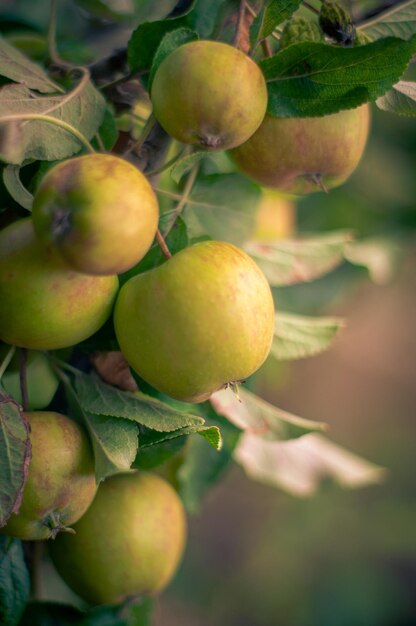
column 301, row 155
column 202, row 320
column 45, row 304
column 42, row 381
column 275, row 216
column 129, row 542
column 61, row 483
column 98, row 212
column 209, row 94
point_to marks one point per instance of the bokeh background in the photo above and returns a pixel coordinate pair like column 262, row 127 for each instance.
column 260, row 557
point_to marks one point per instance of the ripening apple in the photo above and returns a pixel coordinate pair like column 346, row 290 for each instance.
column 129, row 542
column 61, row 481
column 98, row 212
column 200, row 321
column 301, row 155
column 45, row 304
column 209, row 94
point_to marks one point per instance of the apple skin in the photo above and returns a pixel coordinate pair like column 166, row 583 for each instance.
column 201, row 320
column 46, row 305
column 98, row 211
column 209, row 94
column 61, row 482
column 286, row 153
column 129, row 542
column 42, row 381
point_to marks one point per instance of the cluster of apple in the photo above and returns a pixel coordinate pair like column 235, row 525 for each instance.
column 202, row 320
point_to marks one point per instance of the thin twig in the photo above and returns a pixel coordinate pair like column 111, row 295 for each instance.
column 23, row 378
column 267, row 51
column 185, row 195
column 309, row 6
column 35, row 563
column 135, row 147
column 240, row 22
column 166, row 165
column 52, row 48
column 162, row 244
column 6, row 361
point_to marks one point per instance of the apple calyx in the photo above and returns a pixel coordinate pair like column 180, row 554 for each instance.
column 53, row 521
column 61, row 223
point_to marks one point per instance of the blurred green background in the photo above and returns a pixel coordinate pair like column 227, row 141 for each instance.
column 260, row 557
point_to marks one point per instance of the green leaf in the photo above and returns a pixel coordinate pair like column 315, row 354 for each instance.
column 315, row 79
column 14, row 581
column 301, row 465
column 184, row 165
column 83, row 108
column 101, row 399
column 222, row 206
column 115, row 443
column 203, row 465
column 15, row 455
column 134, row 11
column 153, row 455
column 399, row 21
column 297, row 336
column 401, row 99
column 256, row 416
column 108, row 131
column 51, row 614
column 18, row 68
column 292, row 261
column 272, row 14
column 14, row 186
column 169, row 43
column 210, row 433
column 134, row 612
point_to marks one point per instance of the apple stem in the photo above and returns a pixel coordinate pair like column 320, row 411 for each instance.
column 162, row 243
column 240, row 22
column 147, row 128
column 23, row 378
column 267, row 50
column 309, row 6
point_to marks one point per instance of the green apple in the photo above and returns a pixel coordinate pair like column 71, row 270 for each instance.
column 129, row 542
column 209, row 94
column 203, row 319
column 45, row 304
column 42, row 381
column 61, row 482
column 98, row 212
column 300, row 155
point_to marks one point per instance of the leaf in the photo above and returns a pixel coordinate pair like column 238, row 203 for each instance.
column 169, row 43
column 399, row 21
column 134, row 612
column 108, row 131
column 51, row 614
column 15, row 455
column 297, row 336
column 101, row 399
column 14, row 186
column 401, row 99
column 151, row 456
column 256, row 416
column 184, row 165
column 272, row 14
column 313, row 79
column 293, row 261
column 203, row 465
column 115, row 444
column 299, row 466
column 211, row 434
column 222, row 206
column 18, row 68
column 83, row 108
column 14, row 581
column 379, row 256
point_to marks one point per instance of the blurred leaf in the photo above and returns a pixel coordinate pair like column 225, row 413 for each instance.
column 200, row 16
column 107, row 131
column 134, row 612
column 256, row 416
column 297, row 337
column 15, row 455
column 14, row 581
column 169, row 43
column 14, row 186
column 184, row 165
column 379, row 256
column 292, row 261
column 315, row 79
column 400, row 100
column 222, row 206
column 203, row 465
column 18, row 68
column 83, row 108
column 399, row 21
column 115, row 443
column 102, row 399
column 273, row 13
column 299, row 466
column 50, row 614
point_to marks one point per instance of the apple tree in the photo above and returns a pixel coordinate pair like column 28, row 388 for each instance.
column 139, row 287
